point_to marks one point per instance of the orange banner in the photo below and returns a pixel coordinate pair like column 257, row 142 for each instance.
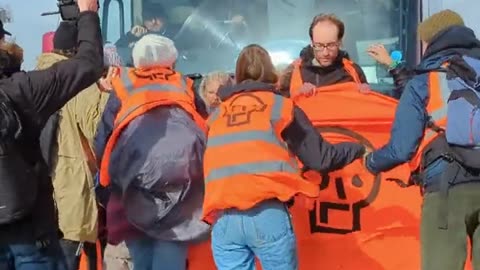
column 360, row 221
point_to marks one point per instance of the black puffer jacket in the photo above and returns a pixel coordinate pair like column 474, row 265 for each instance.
column 401, row 75
column 35, row 96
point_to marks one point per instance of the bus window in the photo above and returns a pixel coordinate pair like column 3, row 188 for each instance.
column 115, row 19
column 210, row 33
column 376, row 21
column 111, row 26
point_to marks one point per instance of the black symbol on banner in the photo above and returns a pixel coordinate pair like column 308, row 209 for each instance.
column 239, row 111
column 163, row 75
column 322, row 217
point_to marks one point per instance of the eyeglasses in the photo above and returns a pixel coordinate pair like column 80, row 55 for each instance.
column 329, row 46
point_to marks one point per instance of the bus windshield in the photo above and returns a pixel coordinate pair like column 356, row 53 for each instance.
column 209, row 34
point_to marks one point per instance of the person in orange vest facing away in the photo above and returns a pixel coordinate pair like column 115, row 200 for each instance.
column 322, row 63
column 437, row 131
column 152, row 158
column 250, row 167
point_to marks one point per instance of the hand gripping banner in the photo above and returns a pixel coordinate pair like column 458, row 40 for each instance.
column 360, row 221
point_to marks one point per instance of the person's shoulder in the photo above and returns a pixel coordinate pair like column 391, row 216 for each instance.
column 418, row 86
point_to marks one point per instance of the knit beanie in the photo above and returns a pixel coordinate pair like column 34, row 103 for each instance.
column 110, row 56
column 65, row 37
column 438, row 22
column 154, row 51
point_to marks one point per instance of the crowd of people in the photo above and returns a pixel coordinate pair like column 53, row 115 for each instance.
column 141, row 163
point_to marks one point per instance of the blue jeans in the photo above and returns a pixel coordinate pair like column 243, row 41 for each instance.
column 150, row 254
column 264, row 231
column 46, row 255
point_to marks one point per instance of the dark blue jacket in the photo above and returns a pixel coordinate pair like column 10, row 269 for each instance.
column 411, row 116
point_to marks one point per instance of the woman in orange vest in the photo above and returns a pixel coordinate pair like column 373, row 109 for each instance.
column 250, row 167
column 151, row 142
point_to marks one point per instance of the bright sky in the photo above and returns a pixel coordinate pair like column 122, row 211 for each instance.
column 28, row 26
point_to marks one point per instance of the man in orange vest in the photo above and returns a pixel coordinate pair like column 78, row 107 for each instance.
column 443, row 155
column 322, row 62
column 255, row 137
column 152, row 157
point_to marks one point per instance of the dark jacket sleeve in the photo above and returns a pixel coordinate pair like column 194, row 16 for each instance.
column 361, row 74
column 313, row 151
column 401, row 75
column 407, row 131
column 200, row 105
column 126, row 39
column 106, row 125
column 38, row 94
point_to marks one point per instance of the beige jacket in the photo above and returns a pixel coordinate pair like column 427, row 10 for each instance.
column 71, row 175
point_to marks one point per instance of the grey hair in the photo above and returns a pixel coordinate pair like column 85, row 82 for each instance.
column 222, row 77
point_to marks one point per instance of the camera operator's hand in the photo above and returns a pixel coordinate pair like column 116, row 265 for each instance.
column 87, row 5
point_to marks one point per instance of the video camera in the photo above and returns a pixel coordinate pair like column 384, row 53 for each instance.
column 68, row 10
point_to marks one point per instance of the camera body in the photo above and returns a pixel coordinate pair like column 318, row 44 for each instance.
column 68, row 9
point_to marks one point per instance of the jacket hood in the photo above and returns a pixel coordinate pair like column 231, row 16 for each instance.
column 248, row 86
column 47, row 60
column 456, row 40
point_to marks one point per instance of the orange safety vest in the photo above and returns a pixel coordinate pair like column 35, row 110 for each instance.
column 437, row 109
column 296, row 81
column 246, row 160
column 140, row 91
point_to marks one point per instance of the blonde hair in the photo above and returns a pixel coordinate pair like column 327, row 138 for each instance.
column 222, row 78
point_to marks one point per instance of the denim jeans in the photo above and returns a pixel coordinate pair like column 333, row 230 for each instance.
column 38, row 255
column 264, row 231
column 151, row 254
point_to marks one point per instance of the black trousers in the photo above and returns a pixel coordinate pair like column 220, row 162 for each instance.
column 70, row 249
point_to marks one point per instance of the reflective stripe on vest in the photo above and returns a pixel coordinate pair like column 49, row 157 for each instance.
column 137, row 100
column 436, row 108
column 155, row 87
column 440, row 88
column 254, row 135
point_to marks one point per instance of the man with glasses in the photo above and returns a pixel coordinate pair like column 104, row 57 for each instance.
column 322, row 63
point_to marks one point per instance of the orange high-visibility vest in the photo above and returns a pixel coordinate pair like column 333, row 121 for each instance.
column 142, row 90
column 84, row 263
column 437, row 109
column 296, row 81
column 246, row 160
